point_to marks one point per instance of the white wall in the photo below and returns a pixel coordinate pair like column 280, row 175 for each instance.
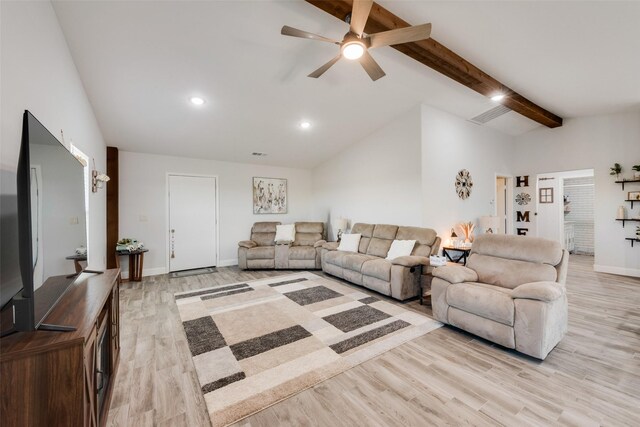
column 585, row 143
column 38, row 74
column 449, row 144
column 143, row 193
column 375, row 180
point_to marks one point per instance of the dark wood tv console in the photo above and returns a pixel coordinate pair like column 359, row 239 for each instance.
column 59, row 378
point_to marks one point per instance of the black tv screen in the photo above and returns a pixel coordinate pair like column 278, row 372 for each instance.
column 51, row 224
column 10, row 280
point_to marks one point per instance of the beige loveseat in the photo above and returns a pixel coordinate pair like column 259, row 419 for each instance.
column 511, row 292
column 399, row 278
column 263, row 252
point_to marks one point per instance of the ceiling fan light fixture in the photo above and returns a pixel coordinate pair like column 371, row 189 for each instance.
column 353, row 50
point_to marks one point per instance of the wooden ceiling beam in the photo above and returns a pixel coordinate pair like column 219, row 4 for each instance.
column 438, row 57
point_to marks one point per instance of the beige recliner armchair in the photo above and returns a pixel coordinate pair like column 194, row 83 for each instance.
column 511, row 292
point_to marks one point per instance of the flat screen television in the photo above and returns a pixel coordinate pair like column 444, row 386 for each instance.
column 43, row 222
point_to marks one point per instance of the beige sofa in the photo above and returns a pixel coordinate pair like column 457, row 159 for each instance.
column 263, row 252
column 511, row 292
column 368, row 267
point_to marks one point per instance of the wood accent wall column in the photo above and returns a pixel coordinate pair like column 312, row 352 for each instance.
column 113, row 195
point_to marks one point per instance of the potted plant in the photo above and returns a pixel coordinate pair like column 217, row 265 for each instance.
column 636, row 171
column 616, row 170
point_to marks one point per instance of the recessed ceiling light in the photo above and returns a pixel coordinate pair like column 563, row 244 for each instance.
column 196, row 100
column 305, row 125
column 498, row 97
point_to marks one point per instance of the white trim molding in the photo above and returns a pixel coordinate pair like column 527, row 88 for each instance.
column 146, row 272
column 227, row 262
column 621, row 271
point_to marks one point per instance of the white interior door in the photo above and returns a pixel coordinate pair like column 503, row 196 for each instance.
column 549, row 207
column 192, row 222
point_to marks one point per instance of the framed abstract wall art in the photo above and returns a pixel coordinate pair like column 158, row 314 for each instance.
column 269, row 195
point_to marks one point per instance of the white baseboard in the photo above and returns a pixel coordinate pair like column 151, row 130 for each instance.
column 163, row 270
column 227, row 262
column 145, row 272
column 621, row 271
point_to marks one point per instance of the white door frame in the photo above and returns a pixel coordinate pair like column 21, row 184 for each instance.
column 509, row 199
column 167, row 217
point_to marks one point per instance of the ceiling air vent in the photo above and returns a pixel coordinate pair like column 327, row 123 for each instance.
column 258, row 154
column 489, row 115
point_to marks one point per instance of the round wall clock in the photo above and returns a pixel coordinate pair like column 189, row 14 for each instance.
column 463, row 184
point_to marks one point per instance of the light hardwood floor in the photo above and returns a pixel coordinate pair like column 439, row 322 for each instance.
column 447, row 377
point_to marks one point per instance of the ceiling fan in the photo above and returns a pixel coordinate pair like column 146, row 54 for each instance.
column 355, row 46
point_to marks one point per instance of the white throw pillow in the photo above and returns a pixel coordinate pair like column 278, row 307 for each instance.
column 400, row 248
column 285, row 233
column 349, row 242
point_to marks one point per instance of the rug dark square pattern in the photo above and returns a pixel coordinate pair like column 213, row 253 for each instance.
column 256, row 343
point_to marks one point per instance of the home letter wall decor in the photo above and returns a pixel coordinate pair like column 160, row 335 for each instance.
column 524, row 196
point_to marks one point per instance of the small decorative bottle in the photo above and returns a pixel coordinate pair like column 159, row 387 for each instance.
column 621, row 212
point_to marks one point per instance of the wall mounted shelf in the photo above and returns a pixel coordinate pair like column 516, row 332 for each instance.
column 632, row 240
column 632, row 202
column 628, row 219
column 626, row 181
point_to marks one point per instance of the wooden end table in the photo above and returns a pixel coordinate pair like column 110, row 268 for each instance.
column 136, row 261
column 427, row 293
column 76, row 261
column 446, row 251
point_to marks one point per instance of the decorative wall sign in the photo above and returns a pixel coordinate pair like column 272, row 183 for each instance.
column 269, row 195
column 546, row 195
column 463, row 184
column 523, row 199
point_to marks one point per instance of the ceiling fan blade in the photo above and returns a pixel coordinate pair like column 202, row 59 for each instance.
column 359, row 15
column 294, row 32
column 320, row 71
column 401, row 35
column 371, row 66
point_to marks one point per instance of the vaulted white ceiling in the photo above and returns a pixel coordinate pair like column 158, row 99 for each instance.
column 140, row 61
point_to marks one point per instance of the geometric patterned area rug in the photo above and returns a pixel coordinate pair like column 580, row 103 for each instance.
column 257, row 343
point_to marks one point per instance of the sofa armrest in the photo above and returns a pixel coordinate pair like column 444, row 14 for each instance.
column 247, row 244
column 455, row 274
column 331, row 246
column 410, row 261
column 284, row 242
column 541, row 291
column 319, row 243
